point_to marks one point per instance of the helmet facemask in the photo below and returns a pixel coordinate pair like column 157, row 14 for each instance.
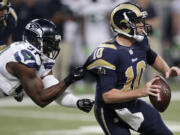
column 51, row 46
column 133, row 23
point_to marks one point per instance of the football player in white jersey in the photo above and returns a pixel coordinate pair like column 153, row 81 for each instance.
column 28, row 65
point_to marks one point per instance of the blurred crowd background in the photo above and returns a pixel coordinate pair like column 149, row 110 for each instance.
column 84, row 24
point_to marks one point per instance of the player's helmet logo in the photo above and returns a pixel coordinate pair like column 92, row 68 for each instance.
column 4, row 9
column 34, row 27
column 124, row 18
column 42, row 34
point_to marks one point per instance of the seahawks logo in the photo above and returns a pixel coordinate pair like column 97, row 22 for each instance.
column 34, row 27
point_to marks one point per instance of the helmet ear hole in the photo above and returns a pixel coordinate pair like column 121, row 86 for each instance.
column 123, row 26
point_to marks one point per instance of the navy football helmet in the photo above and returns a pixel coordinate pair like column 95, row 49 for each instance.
column 124, row 18
column 4, row 8
column 42, row 34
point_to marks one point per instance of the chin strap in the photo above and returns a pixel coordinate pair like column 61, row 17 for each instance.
column 139, row 38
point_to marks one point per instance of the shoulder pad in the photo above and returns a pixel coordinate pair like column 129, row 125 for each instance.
column 105, row 56
column 13, row 13
column 101, row 63
column 27, row 57
column 112, row 46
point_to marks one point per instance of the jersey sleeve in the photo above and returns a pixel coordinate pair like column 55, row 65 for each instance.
column 103, row 65
column 150, row 54
column 27, row 58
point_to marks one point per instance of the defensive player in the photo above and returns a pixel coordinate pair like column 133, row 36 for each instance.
column 28, row 65
column 118, row 66
column 8, row 22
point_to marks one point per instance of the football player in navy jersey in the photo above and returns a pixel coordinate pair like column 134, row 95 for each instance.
column 8, row 22
column 28, row 65
column 118, row 66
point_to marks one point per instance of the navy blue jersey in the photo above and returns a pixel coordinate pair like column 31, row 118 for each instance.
column 117, row 66
column 7, row 27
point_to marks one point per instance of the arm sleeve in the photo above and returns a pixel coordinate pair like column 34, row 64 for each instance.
column 151, row 56
column 108, row 81
column 66, row 99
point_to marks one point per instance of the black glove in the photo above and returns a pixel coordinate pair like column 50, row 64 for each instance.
column 85, row 104
column 75, row 75
column 19, row 94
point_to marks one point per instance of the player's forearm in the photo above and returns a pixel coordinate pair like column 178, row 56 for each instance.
column 66, row 99
column 51, row 93
column 44, row 97
column 118, row 96
column 160, row 65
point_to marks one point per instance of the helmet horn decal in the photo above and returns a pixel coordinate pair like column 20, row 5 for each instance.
column 34, row 28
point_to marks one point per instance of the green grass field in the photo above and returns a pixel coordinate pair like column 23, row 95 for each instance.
column 58, row 120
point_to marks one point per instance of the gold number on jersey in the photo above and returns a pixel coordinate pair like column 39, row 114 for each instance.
column 98, row 53
column 130, row 75
column 140, row 68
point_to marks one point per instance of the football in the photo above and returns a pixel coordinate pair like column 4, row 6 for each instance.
column 162, row 101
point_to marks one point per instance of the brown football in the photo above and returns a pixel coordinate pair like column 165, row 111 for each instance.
column 162, row 101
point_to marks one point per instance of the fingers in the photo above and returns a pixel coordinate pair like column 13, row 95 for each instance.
column 174, row 71
column 151, row 89
column 154, row 92
column 167, row 75
column 155, row 86
column 177, row 70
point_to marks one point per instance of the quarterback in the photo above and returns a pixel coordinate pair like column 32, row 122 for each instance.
column 28, row 65
column 118, row 66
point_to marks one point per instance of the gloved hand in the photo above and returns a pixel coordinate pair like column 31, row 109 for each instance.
column 19, row 94
column 75, row 75
column 85, row 104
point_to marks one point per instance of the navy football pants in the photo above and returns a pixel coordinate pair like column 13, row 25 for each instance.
column 112, row 124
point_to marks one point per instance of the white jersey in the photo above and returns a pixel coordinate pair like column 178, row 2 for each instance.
column 26, row 54
column 96, row 23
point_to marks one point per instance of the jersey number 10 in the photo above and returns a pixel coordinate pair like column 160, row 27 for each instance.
column 133, row 82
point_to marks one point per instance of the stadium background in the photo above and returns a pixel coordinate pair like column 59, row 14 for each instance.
column 26, row 118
